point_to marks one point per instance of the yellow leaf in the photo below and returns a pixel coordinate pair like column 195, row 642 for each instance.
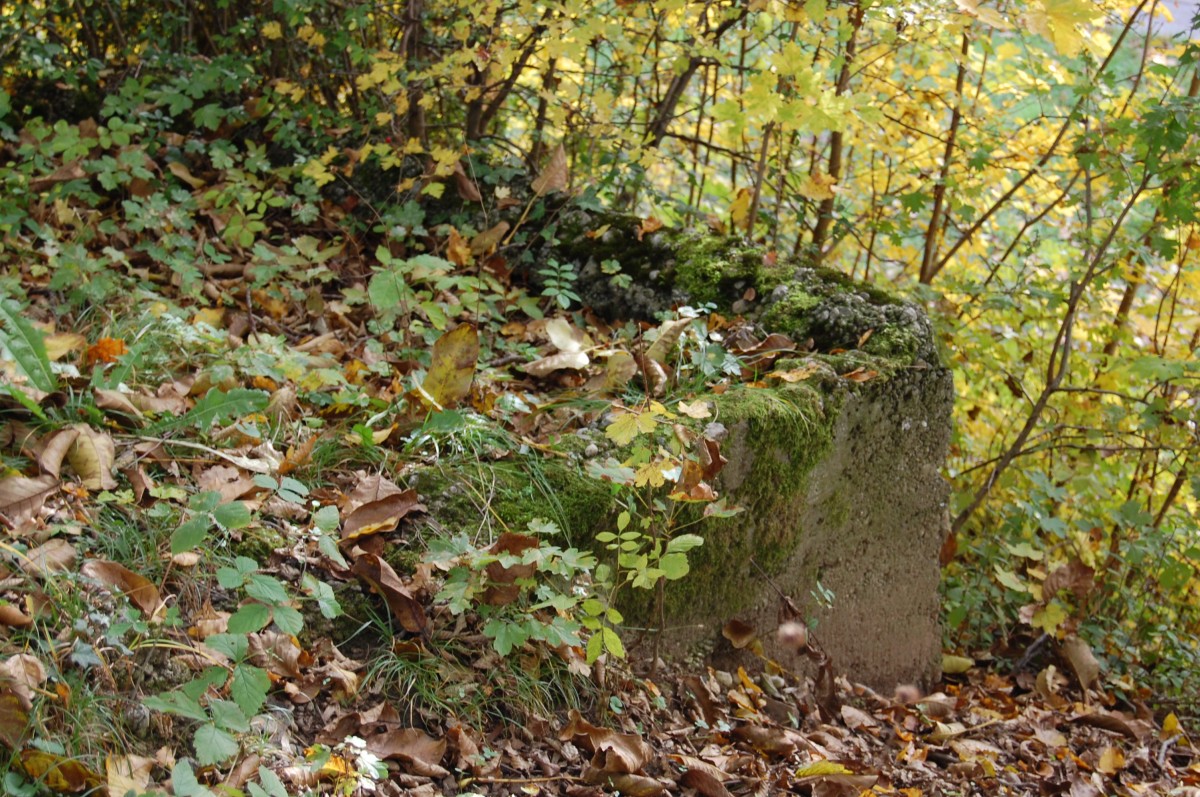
column 697, row 409
column 739, row 211
column 58, row 344
column 989, row 16
column 956, row 665
column 213, row 316
column 623, row 429
column 650, row 474
column 629, row 425
column 621, row 368
column 1112, row 761
column 818, row 187
column 817, row 768
column 60, row 774
column 452, row 368
column 181, row 171
column 272, row 30
column 1059, row 20
column 1050, row 617
column 458, row 251
column 128, row 773
column 317, row 172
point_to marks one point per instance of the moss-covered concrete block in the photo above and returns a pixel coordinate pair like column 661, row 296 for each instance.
column 843, row 496
column 839, row 477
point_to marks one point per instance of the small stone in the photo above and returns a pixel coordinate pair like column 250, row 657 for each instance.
column 591, row 451
column 716, row 431
column 724, row 678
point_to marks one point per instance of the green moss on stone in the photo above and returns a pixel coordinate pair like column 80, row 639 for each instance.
column 785, row 432
column 791, row 314
column 712, row 269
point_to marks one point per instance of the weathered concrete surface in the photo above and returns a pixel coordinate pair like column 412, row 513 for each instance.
column 866, row 524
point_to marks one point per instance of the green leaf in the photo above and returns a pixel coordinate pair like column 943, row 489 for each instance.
column 289, row 620
column 176, row 703
column 327, row 519
column 234, row 515
column 505, row 635
column 595, row 646
column 230, row 577
column 272, row 786
column 267, row 589
column 22, row 398
column 684, row 542
column 228, row 716
column 250, row 618
column 249, row 687
column 235, row 646
column 27, row 347
column 324, row 595
column 190, row 534
column 328, row 546
column 206, row 501
column 213, row 745
column 1010, row 579
column 184, row 783
column 675, row 565
column 613, row 643
column 388, row 291
column 216, row 405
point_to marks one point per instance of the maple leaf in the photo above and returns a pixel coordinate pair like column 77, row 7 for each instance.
column 1059, row 20
column 629, row 425
column 818, row 186
column 739, row 211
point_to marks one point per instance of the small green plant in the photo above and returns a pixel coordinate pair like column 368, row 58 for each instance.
column 266, row 600
column 558, row 283
column 658, row 478
column 523, row 588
